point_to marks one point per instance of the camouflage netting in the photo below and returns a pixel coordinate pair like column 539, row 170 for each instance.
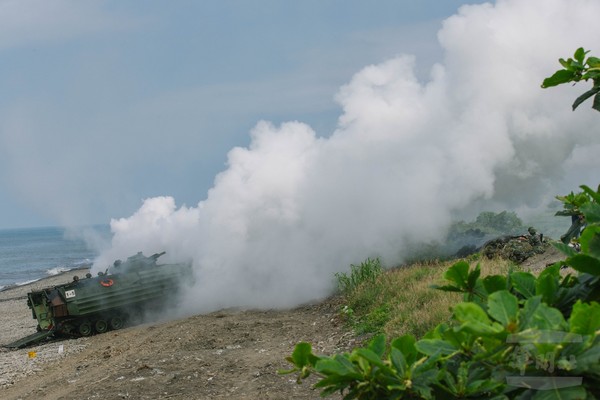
column 516, row 248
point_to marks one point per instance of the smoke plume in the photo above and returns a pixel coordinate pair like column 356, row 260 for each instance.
column 295, row 207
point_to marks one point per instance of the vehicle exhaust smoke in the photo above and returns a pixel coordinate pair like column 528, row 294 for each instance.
column 295, row 207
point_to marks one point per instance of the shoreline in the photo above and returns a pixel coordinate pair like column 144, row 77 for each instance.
column 9, row 292
column 47, row 277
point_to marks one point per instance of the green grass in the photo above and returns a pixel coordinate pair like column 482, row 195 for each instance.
column 365, row 273
column 400, row 301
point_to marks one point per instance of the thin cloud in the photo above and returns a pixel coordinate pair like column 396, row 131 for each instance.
column 30, row 22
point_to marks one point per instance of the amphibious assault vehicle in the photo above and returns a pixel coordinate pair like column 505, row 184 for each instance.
column 126, row 290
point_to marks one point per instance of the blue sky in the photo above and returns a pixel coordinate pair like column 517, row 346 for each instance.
column 106, row 103
column 276, row 143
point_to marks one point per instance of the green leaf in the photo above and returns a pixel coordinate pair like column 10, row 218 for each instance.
column 590, row 192
column 474, row 320
column 432, row 346
column 398, row 361
column 590, row 241
column 523, row 283
column 302, row 355
column 585, row 96
column 548, row 318
column 451, row 383
column 426, row 367
column 593, row 75
column 458, row 274
column 552, row 270
column 596, row 103
column 485, row 387
column 580, row 55
column 546, row 286
column 564, row 248
column 467, row 312
column 589, row 360
column 591, row 212
column 593, row 62
column 377, row 345
column 503, row 307
column 447, row 288
column 333, row 386
column 406, row 344
column 459, row 339
column 568, row 393
column 585, row 318
column 537, row 315
column 330, row 366
column 346, row 363
column 584, row 263
column 473, row 275
column 370, row 356
column 526, row 313
column 493, row 283
column 559, row 77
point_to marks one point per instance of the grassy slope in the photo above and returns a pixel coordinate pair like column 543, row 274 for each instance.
column 400, row 301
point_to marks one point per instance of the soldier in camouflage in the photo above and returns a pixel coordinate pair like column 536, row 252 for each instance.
column 516, row 248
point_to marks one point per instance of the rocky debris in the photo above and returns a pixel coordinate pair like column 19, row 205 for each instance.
column 516, row 248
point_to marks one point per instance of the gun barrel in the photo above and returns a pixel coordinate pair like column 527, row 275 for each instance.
column 156, row 255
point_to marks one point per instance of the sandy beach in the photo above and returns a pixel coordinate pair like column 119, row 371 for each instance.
column 17, row 322
column 16, row 316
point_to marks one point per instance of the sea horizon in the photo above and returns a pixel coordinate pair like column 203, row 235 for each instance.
column 32, row 253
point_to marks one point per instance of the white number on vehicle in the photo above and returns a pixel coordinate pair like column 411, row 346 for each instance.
column 69, row 294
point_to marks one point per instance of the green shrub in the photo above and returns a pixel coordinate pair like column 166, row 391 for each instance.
column 367, row 272
column 515, row 336
column 374, row 320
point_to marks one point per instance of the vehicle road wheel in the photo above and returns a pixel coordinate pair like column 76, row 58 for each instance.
column 116, row 323
column 85, row 328
column 101, row 326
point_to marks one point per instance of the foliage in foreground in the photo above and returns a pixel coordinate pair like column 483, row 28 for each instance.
column 579, row 68
column 515, row 336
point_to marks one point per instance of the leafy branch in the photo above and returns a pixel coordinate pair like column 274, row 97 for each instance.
column 578, row 69
column 514, row 337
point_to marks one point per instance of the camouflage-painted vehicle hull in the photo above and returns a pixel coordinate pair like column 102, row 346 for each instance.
column 136, row 287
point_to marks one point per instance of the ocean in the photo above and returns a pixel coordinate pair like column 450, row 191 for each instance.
column 30, row 254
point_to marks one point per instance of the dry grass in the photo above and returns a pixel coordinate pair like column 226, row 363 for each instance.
column 401, row 300
column 417, row 307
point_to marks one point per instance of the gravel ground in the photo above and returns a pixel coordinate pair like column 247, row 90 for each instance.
column 17, row 322
column 222, row 355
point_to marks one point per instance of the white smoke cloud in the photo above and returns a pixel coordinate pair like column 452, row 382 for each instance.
column 292, row 208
